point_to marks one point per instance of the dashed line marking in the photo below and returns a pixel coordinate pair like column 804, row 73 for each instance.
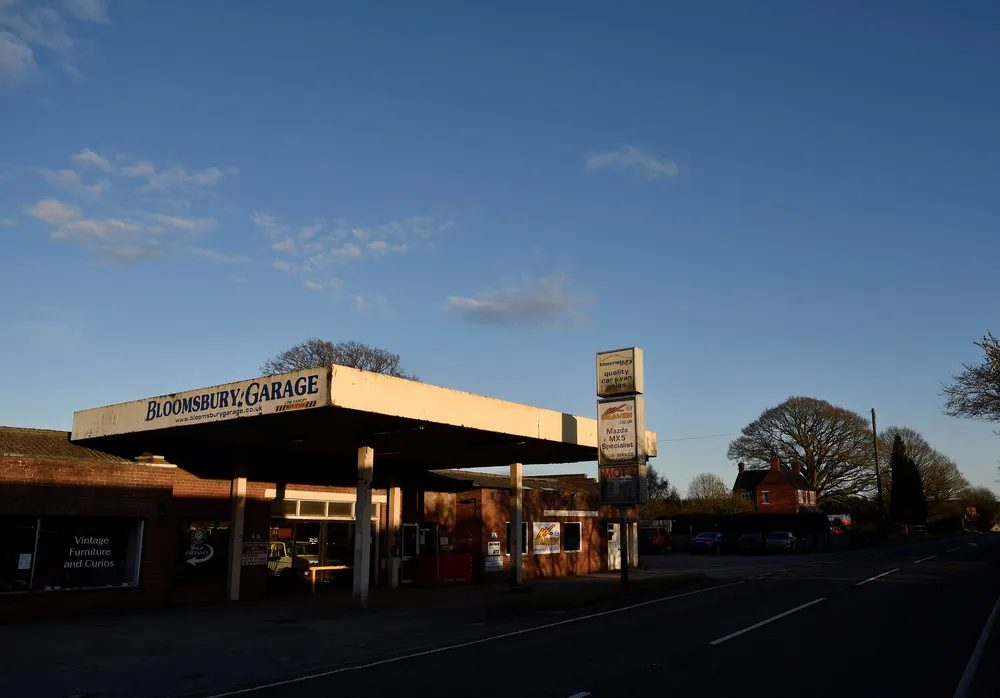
column 925, row 559
column 877, row 576
column 730, row 636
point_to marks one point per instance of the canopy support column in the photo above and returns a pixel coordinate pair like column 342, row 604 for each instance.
column 363, row 525
column 238, row 498
column 516, row 537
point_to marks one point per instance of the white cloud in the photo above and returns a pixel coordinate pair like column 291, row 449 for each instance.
column 89, row 157
column 141, row 169
column 72, row 180
column 177, row 177
column 17, row 60
column 53, row 211
column 268, row 223
column 25, row 26
column 543, row 302
column 238, row 279
column 631, row 158
column 359, row 303
column 220, row 257
column 308, row 232
column 9, row 222
column 191, row 225
column 93, row 10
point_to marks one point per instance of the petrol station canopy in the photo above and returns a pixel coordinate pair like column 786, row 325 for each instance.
column 307, row 426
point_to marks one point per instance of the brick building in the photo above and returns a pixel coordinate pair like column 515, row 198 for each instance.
column 777, row 490
column 86, row 529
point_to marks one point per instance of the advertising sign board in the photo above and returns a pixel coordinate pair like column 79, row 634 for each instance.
column 621, row 430
column 620, row 372
column 546, row 538
column 623, row 485
column 268, row 395
column 254, row 553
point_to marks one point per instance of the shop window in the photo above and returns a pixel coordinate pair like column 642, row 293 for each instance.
column 17, row 553
column 308, row 508
column 572, row 537
column 87, row 553
column 288, row 507
column 524, row 537
column 202, row 548
column 341, row 509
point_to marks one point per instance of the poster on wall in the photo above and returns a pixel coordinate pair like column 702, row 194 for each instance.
column 546, row 538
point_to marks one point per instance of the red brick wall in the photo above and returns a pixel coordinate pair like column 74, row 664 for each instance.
column 494, row 509
column 783, row 496
column 39, row 487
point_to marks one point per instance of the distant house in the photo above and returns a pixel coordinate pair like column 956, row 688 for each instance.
column 777, row 490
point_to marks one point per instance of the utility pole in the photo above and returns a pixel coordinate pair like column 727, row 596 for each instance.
column 878, row 476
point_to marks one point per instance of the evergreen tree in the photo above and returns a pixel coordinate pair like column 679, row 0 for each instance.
column 907, row 503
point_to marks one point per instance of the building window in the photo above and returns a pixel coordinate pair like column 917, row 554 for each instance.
column 573, row 537
column 87, row 553
column 802, row 498
column 524, row 537
column 765, row 497
column 17, row 553
column 812, row 498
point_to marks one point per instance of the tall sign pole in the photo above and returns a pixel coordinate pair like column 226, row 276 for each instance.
column 878, row 476
column 621, row 437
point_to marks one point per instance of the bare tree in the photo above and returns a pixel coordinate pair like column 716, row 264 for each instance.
column 833, row 445
column 319, row 352
column 940, row 474
column 976, row 390
column 708, row 487
column 659, row 487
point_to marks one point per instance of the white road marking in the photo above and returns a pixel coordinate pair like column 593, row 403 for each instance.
column 471, row 643
column 930, row 557
column 765, row 622
column 581, row 694
column 970, row 669
column 872, row 579
column 953, row 549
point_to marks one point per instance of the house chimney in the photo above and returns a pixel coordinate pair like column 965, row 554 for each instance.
column 775, row 463
column 742, row 467
column 797, row 467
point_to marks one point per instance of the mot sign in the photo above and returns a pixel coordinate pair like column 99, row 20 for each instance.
column 620, row 372
column 623, row 485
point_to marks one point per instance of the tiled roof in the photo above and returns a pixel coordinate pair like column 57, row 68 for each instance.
column 573, row 484
column 46, row 443
column 748, row 480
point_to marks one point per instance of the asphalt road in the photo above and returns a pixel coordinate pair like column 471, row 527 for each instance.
column 889, row 622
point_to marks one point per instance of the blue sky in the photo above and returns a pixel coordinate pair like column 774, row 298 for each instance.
column 785, row 200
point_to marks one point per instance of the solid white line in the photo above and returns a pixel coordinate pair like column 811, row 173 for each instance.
column 970, row 669
column 872, row 579
column 953, row 549
column 764, row 622
column 582, row 694
column 471, row 643
column 930, row 557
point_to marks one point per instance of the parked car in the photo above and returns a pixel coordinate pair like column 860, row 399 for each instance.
column 750, row 543
column 711, row 543
column 653, row 540
column 781, row 541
